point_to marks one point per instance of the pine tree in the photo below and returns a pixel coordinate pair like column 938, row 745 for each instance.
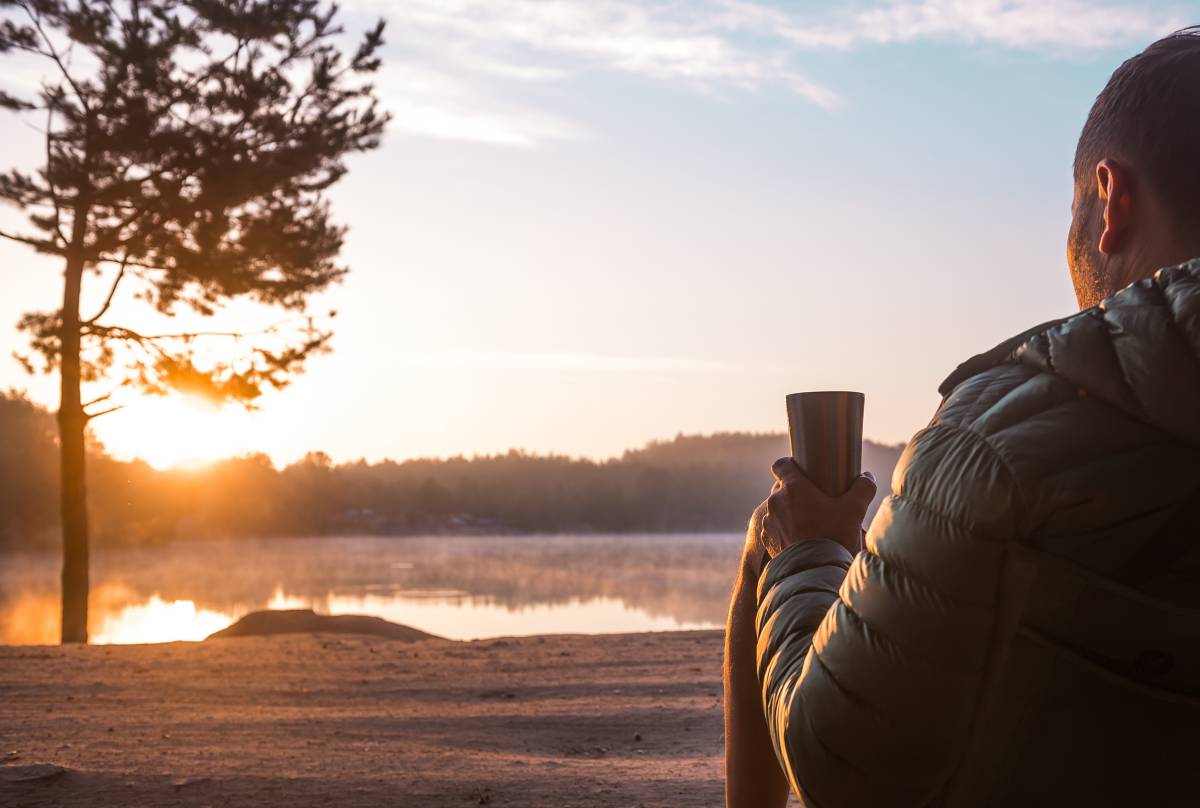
column 188, row 148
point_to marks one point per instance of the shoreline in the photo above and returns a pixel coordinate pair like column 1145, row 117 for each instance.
column 322, row 719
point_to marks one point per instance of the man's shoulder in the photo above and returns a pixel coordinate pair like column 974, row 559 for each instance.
column 1070, row 411
column 1012, row 442
column 999, row 397
column 1035, row 420
column 1006, row 447
column 1012, row 404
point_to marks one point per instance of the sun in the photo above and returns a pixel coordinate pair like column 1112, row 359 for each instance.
column 174, row 430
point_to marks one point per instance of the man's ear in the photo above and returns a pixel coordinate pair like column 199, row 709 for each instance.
column 1115, row 188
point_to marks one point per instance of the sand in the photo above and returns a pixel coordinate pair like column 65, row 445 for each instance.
column 306, row 720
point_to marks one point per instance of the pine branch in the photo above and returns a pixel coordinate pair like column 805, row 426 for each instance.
column 104, row 397
column 40, row 246
column 129, row 335
column 112, row 291
column 50, row 52
column 129, row 262
column 93, row 415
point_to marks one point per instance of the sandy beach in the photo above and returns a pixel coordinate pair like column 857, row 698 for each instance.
column 299, row 720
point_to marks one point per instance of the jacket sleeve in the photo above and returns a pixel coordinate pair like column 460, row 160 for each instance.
column 872, row 669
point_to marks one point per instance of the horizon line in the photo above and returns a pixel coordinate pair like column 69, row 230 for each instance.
column 200, row 464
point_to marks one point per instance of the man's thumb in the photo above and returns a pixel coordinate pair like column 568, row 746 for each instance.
column 863, row 489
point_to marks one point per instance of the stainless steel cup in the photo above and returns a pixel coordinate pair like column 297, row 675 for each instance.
column 825, row 429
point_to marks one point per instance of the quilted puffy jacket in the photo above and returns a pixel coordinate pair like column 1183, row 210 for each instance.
column 1023, row 628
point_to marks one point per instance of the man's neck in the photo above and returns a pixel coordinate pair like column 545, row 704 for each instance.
column 1143, row 264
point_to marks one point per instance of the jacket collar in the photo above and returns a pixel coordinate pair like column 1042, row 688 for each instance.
column 996, row 356
column 1138, row 351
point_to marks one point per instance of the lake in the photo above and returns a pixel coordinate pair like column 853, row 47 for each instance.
column 458, row 587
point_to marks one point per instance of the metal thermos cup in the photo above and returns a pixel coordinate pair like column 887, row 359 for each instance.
column 825, row 429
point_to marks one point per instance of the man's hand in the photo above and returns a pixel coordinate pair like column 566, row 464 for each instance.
column 798, row 511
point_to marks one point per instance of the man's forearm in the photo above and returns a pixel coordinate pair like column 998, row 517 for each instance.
column 752, row 775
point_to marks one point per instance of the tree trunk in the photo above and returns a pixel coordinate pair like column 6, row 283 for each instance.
column 72, row 424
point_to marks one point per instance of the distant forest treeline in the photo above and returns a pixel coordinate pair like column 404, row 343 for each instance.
column 691, row 483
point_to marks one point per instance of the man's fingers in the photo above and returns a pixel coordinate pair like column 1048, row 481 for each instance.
column 777, row 503
column 863, row 489
column 789, row 474
column 786, row 470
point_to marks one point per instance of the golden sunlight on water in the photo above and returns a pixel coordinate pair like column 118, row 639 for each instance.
column 461, row 588
column 457, row 617
column 158, row 620
column 33, row 620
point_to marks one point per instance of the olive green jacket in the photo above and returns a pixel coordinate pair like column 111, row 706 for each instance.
column 1023, row 628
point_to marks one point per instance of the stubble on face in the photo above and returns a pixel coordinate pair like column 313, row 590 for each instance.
column 1083, row 250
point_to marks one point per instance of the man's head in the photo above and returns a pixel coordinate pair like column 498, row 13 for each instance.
column 1137, row 171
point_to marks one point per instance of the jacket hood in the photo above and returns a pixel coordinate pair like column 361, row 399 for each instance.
column 1138, row 350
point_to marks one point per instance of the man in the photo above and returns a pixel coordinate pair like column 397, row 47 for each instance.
column 1023, row 628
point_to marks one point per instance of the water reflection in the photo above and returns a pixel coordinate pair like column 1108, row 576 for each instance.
column 158, row 620
column 463, row 588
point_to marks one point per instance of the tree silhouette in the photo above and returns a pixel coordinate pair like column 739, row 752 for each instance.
column 188, row 146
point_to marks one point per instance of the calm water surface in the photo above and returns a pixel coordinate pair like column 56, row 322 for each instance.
column 459, row 587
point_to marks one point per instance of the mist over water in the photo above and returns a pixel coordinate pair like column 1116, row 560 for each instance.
column 457, row 587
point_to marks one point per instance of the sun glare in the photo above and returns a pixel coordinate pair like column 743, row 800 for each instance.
column 158, row 620
column 176, row 431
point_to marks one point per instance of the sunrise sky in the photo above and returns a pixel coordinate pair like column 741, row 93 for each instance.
column 598, row 222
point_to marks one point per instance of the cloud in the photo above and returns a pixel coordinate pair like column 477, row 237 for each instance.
column 617, row 34
column 533, row 40
column 460, row 58
column 1065, row 24
column 433, row 104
